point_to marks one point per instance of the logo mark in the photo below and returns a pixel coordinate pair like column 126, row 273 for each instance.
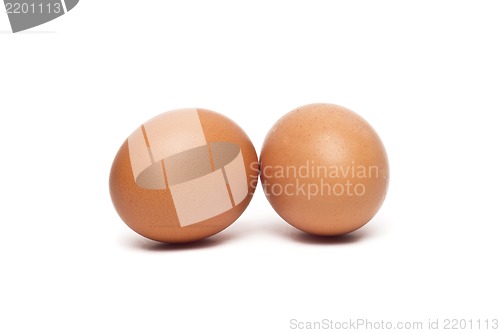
column 205, row 179
column 26, row 14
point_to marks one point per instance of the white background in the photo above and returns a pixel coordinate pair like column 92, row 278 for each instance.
column 425, row 74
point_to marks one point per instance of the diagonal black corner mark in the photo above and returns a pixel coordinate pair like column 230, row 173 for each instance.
column 26, row 14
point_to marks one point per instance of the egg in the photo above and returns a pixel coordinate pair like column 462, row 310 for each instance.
column 183, row 176
column 324, row 169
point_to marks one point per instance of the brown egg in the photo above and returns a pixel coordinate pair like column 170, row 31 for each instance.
column 184, row 175
column 324, row 169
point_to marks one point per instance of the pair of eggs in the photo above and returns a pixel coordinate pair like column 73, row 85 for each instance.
column 188, row 174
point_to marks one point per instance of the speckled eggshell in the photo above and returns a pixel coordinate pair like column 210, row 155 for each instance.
column 309, row 158
column 183, row 176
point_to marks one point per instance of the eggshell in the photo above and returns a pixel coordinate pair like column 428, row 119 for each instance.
column 324, row 169
column 184, row 175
